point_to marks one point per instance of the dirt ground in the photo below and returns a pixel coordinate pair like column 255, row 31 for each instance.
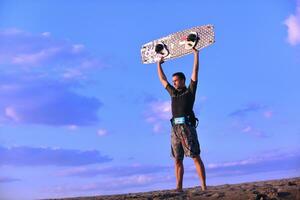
column 285, row 189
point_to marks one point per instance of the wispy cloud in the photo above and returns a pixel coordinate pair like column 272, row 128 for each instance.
column 268, row 114
column 158, row 113
column 38, row 156
column 58, row 57
column 129, row 178
column 113, row 185
column 248, row 128
column 252, row 107
column 11, row 113
column 293, row 25
column 253, row 131
column 115, row 179
column 6, row 179
column 118, row 185
column 275, row 160
column 102, row 132
column 242, row 119
column 72, row 127
column 39, row 76
column 113, row 171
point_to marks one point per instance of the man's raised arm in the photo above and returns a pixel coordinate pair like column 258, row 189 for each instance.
column 161, row 74
column 196, row 65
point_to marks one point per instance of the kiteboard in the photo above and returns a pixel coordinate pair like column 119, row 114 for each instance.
column 178, row 44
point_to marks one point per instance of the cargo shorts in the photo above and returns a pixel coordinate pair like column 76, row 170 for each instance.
column 184, row 141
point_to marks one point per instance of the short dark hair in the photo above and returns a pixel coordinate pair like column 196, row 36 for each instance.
column 180, row 75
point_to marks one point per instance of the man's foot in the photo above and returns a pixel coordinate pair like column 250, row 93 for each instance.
column 204, row 188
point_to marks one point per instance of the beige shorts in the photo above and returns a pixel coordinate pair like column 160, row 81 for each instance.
column 184, row 141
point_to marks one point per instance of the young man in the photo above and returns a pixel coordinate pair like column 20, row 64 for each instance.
column 184, row 140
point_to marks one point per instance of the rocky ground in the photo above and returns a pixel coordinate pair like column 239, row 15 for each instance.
column 264, row 190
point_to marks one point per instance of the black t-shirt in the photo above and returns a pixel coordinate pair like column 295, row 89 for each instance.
column 182, row 100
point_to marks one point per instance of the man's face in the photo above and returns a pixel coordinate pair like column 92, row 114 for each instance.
column 177, row 82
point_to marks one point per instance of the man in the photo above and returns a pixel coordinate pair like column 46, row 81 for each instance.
column 184, row 140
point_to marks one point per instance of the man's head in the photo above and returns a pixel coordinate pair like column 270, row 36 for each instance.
column 178, row 79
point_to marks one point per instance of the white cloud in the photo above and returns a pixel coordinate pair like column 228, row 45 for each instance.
column 11, row 113
column 73, row 73
column 113, row 171
column 158, row 113
column 46, row 156
column 72, row 127
column 243, row 117
column 35, row 63
column 114, row 184
column 161, row 110
column 264, row 157
column 58, row 57
column 293, row 25
column 203, row 99
column 157, row 128
column 268, row 114
column 12, row 31
column 250, row 130
column 232, row 164
column 46, row 34
column 9, row 87
column 35, row 57
column 77, row 48
column 143, row 179
column 7, row 179
column 124, row 179
column 102, row 132
column 247, row 129
column 71, row 171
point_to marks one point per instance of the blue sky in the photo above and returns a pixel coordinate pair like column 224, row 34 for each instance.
column 80, row 115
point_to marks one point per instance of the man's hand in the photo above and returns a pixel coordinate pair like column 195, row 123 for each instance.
column 161, row 60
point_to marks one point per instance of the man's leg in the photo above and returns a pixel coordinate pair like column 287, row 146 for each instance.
column 201, row 171
column 179, row 170
column 178, row 155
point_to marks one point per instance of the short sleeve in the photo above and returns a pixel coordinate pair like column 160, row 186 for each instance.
column 170, row 89
column 193, row 87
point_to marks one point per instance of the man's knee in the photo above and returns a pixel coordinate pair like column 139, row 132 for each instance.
column 178, row 161
column 196, row 158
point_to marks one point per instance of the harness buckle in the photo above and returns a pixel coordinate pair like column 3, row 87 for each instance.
column 184, row 120
column 179, row 120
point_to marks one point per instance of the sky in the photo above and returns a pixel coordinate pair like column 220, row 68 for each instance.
column 80, row 115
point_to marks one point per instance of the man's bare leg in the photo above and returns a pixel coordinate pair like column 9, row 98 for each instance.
column 201, row 171
column 179, row 170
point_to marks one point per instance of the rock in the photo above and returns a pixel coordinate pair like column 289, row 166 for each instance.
column 261, row 197
column 255, row 192
column 207, row 194
column 291, row 183
column 215, row 195
column 283, row 194
column 272, row 192
column 225, row 186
